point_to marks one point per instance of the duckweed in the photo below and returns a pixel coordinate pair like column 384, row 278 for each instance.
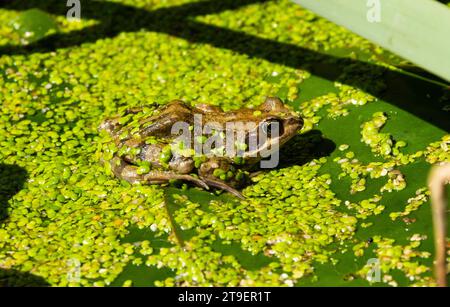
column 413, row 203
column 366, row 207
column 289, row 216
column 439, row 151
column 405, row 259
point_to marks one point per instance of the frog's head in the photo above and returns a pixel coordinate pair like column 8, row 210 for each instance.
column 274, row 111
column 277, row 122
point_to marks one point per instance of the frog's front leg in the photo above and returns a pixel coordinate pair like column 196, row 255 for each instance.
column 221, row 174
column 129, row 172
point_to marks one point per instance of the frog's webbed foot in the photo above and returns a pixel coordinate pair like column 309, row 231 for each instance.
column 223, row 186
column 129, row 172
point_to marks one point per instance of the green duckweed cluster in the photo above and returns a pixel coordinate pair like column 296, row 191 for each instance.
column 439, row 151
column 65, row 223
column 393, row 258
column 413, row 204
column 383, row 145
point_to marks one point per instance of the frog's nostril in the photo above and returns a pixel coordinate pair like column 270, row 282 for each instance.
column 295, row 121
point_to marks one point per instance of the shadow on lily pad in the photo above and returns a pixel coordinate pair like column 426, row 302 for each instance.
column 304, row 148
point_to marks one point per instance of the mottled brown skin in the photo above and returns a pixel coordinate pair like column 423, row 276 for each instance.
column 180, row 167
column 439, row 178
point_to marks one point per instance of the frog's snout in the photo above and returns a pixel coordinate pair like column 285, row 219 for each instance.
column 295, row 123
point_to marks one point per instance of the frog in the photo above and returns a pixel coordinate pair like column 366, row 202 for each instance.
column 149, row 152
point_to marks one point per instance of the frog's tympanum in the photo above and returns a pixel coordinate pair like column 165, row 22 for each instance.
column 201, row 144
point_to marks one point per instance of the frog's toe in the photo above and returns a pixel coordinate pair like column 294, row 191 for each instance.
column 165, row 176
column 223, row 186
column 194, row 180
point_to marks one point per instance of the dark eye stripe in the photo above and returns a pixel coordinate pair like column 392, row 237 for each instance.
column 266, row 126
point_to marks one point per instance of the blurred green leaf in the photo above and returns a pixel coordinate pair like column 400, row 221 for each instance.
column 33, row 25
